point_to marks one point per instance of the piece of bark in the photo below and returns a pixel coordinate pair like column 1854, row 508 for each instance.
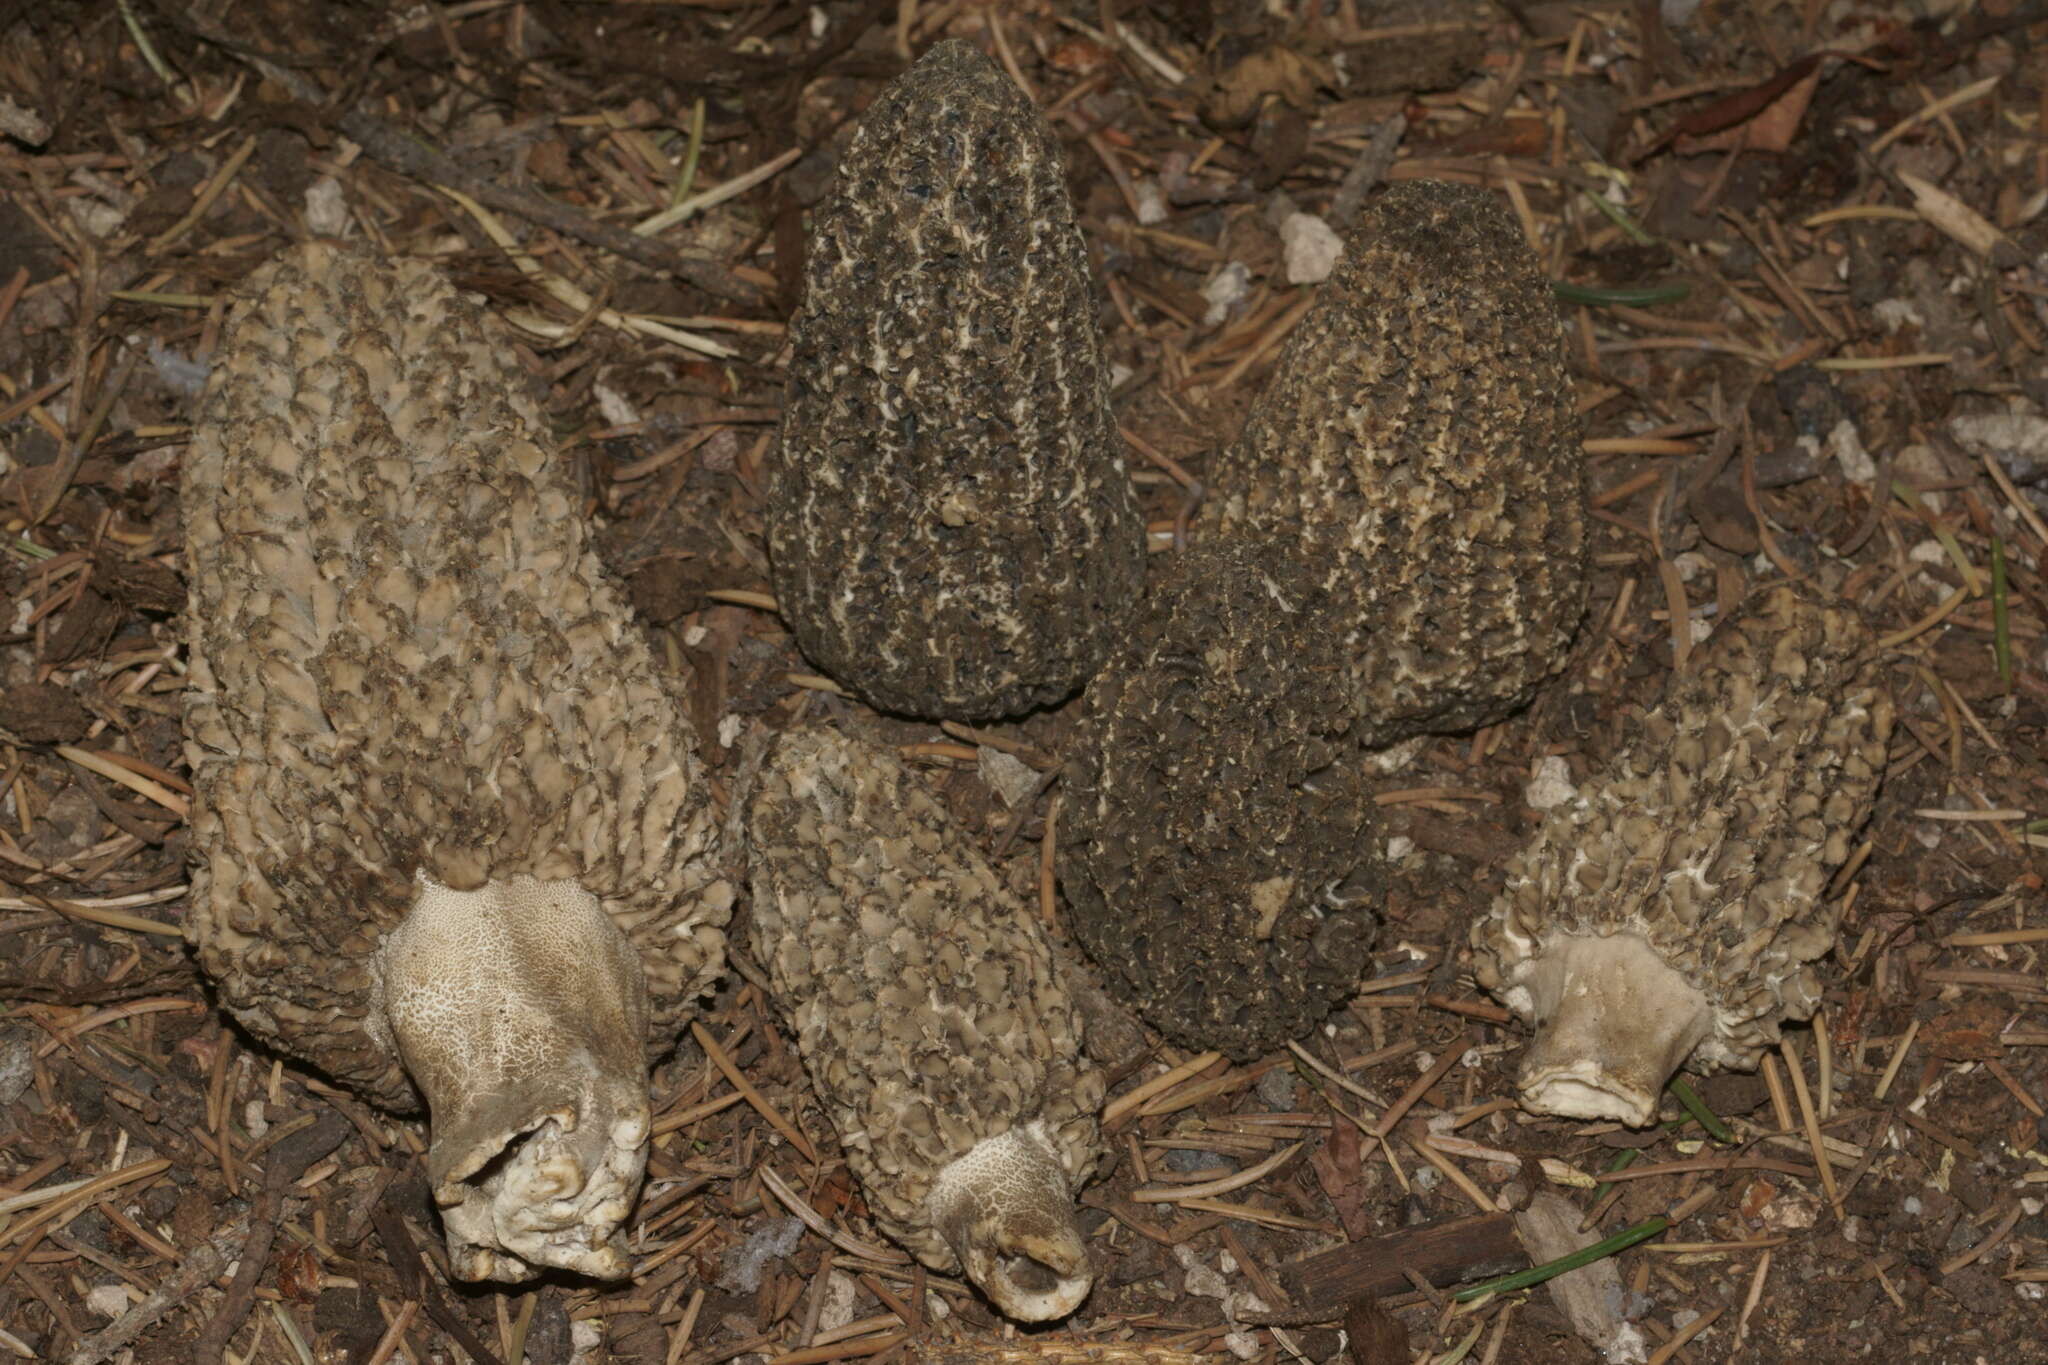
column 1591, row 1297
column 1448, row 1252
column 1377, row 1337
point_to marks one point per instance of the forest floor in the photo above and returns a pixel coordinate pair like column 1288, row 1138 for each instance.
column 1800, row 248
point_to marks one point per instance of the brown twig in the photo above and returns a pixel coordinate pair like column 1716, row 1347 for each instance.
column 405, row 1262
column 407, row 155
column 290, row 1160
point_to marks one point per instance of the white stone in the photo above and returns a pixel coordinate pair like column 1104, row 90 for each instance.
column 108, row 1300
column 840, row 1293
column 1312, row 248
column 1551, row 786
column 1225, row 290
column 1845, row 443
column 1152, row 205
column 2015, row 432
column 1007, row 775
column 1894, row 314
column 326, row 208
column 613, row 406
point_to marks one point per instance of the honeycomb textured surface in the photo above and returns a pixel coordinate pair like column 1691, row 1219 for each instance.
column 1713, row 831
column 950, row 521
column 1217, row 845
column 1418, row 435
column 922, row 994
column 405, row 660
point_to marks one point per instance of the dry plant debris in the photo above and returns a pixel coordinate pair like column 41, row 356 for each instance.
column 1799, row 251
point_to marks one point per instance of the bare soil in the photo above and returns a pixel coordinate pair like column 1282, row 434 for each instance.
column 1801, row 248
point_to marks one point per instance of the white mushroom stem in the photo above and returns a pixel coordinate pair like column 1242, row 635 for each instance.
column 1613, row 1023
column 520, row 1009
column 1007, row 1212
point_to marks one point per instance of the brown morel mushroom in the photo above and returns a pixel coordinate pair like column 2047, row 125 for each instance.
column 450, row 830
column 1217, row 845
column 1676, row 907
column 926, row 1005
column 1418, row 436
column 952, row 529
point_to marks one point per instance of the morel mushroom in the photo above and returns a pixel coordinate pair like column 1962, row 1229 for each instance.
column 1676, row 907
column 951, row 525
column 1418, row 435
column 927, row 1007
column 1217, row 847
column 450, row 830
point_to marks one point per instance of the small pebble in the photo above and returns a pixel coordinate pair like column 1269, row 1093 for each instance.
column 1312, row 248
column 1846, row 445
column 1276, row 1090
column 1552, row 786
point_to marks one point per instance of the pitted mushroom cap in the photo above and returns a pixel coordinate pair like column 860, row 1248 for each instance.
column 1418, row 437
column 926, row 1003
column 1217, row 845
column 1709, row 839
column 949, row 516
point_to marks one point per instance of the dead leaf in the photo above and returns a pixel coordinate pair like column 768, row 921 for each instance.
column 1966, row 1034
column 1376, row 1336
column 1242, row 90
column 1339, row 1171
column 1772, row 128
column 1078, row 56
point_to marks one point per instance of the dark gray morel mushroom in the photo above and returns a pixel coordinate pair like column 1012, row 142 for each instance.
column 449, row 823
column 925, row 1002
column 951, row 525
column 1217, row 845
column 1419, row 436
column 1676, row 907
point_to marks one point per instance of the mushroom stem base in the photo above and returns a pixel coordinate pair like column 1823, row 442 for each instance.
column 1614, row 1022
column 520, row 1011
column 1005, row 1209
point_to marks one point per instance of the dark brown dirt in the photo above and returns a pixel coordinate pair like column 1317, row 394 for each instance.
column 1833, row 309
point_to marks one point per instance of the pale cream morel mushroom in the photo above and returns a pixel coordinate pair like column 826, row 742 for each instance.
column 450, row 830
column 1676, row 907
column 930, row 1014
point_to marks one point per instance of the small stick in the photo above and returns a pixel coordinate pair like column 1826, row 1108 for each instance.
column 1685, row 1334
column 394, row 1332
column 1891, row 1071
column 212, row 190
column 292, row 1158
column 1756, row 1293
column 1422, row 1084
column 1267, row 343
column 1825, row 1055
column 74, row 456
column 1457, row 1177
column 739, row 1082
column 1812, row 1121
column 815, row 1221
column 1779, row 1107
column 1131, row 1099
column 1208, row 1189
